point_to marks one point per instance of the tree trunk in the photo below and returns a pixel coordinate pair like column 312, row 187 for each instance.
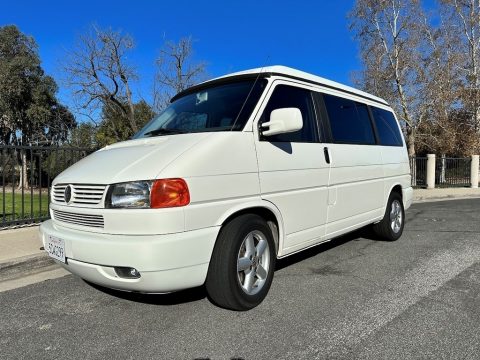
column 411, row 154
column 23, row 181
column 410, row 141
column 131, row 116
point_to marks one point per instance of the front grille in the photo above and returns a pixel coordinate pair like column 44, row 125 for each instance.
column 82, row 194
column 79, row 219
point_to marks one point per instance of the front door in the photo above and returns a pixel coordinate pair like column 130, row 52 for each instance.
column 292, row 169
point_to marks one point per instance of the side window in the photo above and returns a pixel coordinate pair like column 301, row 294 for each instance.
column 349, row 121
column 387, row 127
column 285, row 96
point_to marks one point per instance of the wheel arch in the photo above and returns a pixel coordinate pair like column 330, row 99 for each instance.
column 264, row 209
column 397, row 188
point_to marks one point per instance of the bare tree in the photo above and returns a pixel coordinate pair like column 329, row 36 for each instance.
column 464, row 16
column 442, row 87
column 389, row 38
column 176, row 71
column 100, row 75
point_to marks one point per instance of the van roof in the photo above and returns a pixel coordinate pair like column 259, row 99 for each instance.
column 283, row 71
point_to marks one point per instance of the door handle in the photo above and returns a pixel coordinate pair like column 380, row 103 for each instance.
column 327, row 155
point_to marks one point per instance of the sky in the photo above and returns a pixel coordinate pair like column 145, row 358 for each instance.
column 229, row 36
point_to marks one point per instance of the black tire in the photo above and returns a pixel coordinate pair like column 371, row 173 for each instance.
column 385, row 230
column 224, row 280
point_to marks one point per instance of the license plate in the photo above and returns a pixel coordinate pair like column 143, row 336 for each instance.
column 55, row 247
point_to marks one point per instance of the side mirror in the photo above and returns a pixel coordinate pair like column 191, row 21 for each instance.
column 283, row 121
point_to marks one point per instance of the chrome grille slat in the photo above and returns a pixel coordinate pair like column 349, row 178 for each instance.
column 89, row 191
column 92, row 200
column 82, row 223
column 89, row 188
column 82, row 194
column 73, row 215
column 79, row 219
column 77, row 195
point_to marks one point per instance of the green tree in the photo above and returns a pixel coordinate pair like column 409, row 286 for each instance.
column 82, row 141
column 114, row 126
column 29, row 109
column 84, row 136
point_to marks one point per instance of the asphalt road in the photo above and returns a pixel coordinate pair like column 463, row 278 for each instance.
column 418, row 297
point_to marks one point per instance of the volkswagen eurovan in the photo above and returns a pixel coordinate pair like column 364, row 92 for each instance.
column 236, row 173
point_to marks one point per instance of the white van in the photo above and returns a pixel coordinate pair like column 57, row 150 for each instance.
column 236, row 173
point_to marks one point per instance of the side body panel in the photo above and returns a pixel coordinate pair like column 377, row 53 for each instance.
column 397, row 170
column 356, row 186
column 318, row 201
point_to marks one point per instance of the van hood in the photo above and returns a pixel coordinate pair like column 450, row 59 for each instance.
column 140, row 159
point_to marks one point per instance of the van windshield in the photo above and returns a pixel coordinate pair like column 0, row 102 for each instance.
column 223, row 107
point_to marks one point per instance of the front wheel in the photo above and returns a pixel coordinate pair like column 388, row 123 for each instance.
column 242, row 265
column 391, row 226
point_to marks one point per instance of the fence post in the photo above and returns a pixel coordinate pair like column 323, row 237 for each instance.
column 430, row 171
column 474, row 171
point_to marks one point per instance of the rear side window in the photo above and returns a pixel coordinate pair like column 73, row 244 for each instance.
column 285, row 96
column 349, row 121
column 387, row 127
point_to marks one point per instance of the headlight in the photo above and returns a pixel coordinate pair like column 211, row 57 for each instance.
column 148, row 194
column 129, row 195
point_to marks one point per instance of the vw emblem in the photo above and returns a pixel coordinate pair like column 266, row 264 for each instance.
column 68, row 194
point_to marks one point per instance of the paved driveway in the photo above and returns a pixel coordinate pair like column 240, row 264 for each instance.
column 355, row 297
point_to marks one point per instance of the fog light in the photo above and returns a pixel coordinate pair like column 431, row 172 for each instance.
column 127, row 272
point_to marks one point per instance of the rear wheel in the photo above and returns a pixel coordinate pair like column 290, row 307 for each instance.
column 242, row 265
column 391, row 226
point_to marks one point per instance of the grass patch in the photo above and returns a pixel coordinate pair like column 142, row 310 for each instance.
column 26, row 207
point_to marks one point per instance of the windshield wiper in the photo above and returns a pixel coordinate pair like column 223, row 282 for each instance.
column 163, row 131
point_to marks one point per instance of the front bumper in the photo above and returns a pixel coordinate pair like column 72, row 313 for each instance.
column 166, row 262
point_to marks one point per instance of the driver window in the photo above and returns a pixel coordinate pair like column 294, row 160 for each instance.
column 285, row 96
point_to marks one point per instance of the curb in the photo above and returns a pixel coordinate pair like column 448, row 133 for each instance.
column 445, row 198
column 11, row 269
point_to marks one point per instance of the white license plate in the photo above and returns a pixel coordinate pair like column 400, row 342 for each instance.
column 55, row 247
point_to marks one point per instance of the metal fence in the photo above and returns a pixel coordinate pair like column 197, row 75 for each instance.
column 452, row 172
column 449, row 172
column 418, row 168
column 26, row 173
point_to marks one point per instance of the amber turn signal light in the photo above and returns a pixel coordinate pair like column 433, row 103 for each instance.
column 169, row 193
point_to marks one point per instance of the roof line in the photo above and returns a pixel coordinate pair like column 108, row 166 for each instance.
column 227, row 79
column 383, row 102
column 221, row 80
